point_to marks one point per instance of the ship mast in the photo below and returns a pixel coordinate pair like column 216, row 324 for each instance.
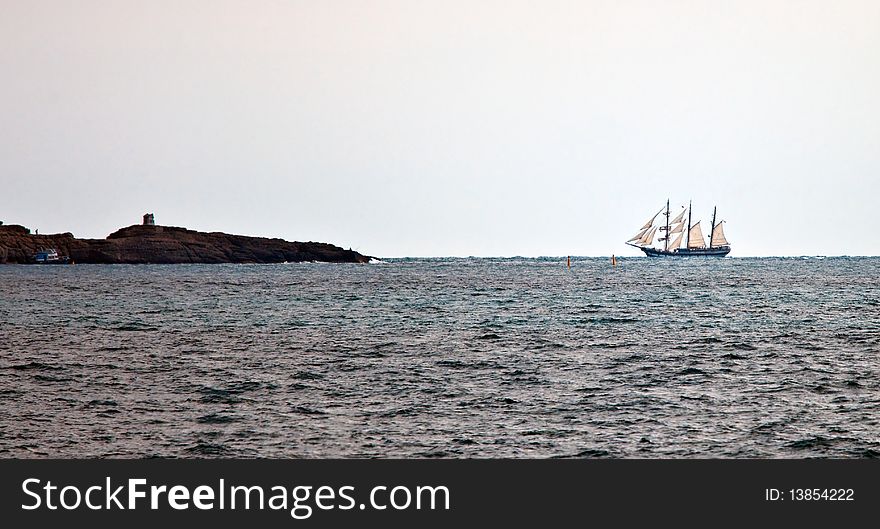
column 712, row 233
column 666, row 239
column 688, row 245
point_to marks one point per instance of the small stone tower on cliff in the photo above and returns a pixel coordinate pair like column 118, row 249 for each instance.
column 149, row 220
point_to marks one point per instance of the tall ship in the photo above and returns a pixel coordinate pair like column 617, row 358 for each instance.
column 688, row 238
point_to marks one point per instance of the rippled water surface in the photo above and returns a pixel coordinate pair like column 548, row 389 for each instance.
column 443, row 358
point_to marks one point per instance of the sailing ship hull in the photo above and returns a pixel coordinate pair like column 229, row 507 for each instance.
column 688, row 252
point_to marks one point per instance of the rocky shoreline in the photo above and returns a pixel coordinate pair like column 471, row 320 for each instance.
column 143, row 244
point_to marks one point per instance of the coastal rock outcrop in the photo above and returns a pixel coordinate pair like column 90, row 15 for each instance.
column 141, row 244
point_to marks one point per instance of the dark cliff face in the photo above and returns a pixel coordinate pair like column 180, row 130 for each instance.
column 165, row 244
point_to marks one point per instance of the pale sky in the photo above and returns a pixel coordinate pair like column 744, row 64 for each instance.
column 435, row 128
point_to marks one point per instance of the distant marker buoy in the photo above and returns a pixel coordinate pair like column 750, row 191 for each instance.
column 569, row 262
column 613, row 260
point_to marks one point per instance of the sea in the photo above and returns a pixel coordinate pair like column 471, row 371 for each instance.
column 451, row 358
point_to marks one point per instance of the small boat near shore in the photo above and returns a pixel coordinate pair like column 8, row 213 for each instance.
column 50, row 256
column 691, row 234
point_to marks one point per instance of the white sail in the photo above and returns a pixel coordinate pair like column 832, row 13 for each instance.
column 676, row 243
column 650, row 222
column 648, row 237
column 646, row 240
column 718, row 238
column 639, row 235
column 678, row 228
column 695, row 237
column 680, row 216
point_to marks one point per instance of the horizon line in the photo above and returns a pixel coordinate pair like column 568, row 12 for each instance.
column 608, row 256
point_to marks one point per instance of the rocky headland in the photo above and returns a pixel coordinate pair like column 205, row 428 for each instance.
column 141, row 244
